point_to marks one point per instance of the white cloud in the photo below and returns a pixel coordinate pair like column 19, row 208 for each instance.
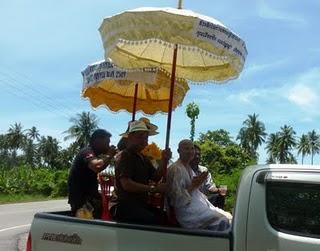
column 257, row 68
column 249, row 96
column 267, row 12
column 305, row 90
column 302, row 96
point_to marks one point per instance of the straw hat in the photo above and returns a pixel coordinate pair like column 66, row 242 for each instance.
column 136, row 126
column 152, row 127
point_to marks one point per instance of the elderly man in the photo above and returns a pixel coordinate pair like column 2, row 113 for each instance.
column 209, row 188
column 133, row 175
column 82, row 181
column 192, row 208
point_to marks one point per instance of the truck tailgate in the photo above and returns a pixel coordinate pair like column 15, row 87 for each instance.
column 56, row 232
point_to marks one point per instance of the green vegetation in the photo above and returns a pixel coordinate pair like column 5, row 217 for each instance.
column 25, row 183
column 18, row 198
column 34, row 166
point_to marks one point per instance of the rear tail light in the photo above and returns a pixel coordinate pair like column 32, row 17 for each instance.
column 28, row 246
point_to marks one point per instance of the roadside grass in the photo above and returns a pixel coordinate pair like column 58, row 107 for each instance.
column 19, row 198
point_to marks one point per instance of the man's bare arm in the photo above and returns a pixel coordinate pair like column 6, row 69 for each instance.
column 99, row 164
column 134, row 187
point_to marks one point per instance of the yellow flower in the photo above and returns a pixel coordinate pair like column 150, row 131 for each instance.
column 152, row 151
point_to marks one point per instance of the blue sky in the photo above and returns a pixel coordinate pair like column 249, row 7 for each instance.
column 44, row 45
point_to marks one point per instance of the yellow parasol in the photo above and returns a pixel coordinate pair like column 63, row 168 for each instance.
column 190, row 45
column 146, row 90
column 144, row 37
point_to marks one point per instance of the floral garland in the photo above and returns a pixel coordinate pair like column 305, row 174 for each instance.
column 153, row 152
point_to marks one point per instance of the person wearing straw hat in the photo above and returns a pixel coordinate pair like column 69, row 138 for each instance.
column 123, row 141
column 133, row 174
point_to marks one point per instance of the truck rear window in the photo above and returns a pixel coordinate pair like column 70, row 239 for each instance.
column 294, row 208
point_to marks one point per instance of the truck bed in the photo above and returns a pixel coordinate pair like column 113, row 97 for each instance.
column 59, row 231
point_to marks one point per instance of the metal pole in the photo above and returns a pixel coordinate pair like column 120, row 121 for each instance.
column 180, row 4
column 135, row 101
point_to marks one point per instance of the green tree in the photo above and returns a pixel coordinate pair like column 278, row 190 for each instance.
column 33, row 133
column 16, row 139
column 272, row 148
column 314, row 141
column 286, row 142
column 67, row 155
column 192, row 111
column 225, row 159
column 4, row 150
column 220, row 154
column 30, row 152
column 49, row 151
column 83, row 125
column 303, row 146
column 252, row 135
column 220, row 137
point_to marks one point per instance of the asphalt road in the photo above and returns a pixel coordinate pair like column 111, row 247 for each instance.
column 15, row 220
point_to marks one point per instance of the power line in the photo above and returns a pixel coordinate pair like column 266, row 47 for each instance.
column 31, row 91
column 34, row 101
column 24, row 82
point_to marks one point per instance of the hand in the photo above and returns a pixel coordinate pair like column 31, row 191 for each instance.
column 112, row 151
column 161, row 188
column 197, row 181
column 166, row 154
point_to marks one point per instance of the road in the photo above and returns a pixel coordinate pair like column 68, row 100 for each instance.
column 15, row 220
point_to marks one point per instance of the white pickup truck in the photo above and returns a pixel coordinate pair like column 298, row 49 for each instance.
column 277, row 209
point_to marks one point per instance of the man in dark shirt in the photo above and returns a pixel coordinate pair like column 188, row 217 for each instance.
column 82, row 181
column 133, row 175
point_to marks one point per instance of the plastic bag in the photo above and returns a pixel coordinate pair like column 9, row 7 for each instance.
column 85, row 212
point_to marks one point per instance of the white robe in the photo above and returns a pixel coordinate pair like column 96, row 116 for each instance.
column 192, row 210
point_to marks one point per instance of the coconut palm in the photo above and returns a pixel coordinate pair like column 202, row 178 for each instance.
column 48, row 149
column 33, row 133
column 303, row 146
column 192, row 111
column 4, row 148
column 82, row 127
column 286, row 142
column 15, row 137
column 272, row 148
column 244, row 139
column 314, row 141
column 30, row 152
column 252, row 135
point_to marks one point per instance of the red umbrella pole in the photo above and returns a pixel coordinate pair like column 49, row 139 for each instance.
column 135, row 102
column 173, row 77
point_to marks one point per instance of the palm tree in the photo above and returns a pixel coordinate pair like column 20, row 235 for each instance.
column 192, row 111
column 252, row 135
column 272, row 148
column 303, row 146
column 244, row 140
column 314, row 140
column 49, row 151
column 286, row 143
column 4, row 148
column 83, row 126
column 30, row 152
column 33, row 133
column 15, row 137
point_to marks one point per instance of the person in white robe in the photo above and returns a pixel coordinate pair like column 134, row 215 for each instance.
column 192, row 208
